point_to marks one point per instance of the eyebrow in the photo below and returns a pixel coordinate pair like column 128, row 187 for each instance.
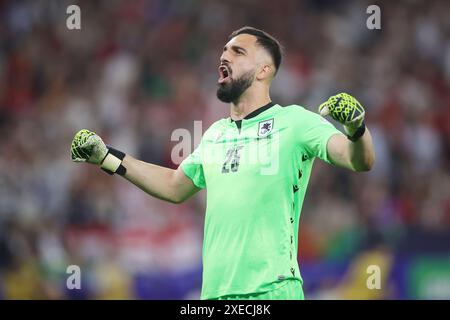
column 235, row 48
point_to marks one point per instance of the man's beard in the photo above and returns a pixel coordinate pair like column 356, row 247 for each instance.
column 230, row 92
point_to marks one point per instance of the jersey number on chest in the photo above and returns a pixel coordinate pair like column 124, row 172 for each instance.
column 232, row 159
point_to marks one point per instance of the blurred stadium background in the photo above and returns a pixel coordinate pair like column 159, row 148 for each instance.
column 137, row 70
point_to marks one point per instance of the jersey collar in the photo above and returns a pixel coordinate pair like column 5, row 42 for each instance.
column 257, row 111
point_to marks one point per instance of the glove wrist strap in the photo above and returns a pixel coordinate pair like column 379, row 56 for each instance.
column 358, row 133
column 112, row 163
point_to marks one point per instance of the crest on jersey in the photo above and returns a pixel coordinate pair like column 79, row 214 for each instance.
column 265, row 127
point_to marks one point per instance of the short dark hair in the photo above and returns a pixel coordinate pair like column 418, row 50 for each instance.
column 264, row 39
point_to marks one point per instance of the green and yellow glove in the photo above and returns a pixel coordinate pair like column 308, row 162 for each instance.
column 87, row 146
column 348, row 111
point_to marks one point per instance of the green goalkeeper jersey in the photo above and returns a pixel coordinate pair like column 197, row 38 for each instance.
column 256, row 172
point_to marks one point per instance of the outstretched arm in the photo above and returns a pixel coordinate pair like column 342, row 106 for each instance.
column 160, row 182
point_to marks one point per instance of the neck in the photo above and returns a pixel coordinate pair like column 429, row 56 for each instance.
column 247, row 103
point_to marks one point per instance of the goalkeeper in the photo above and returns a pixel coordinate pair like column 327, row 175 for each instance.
column 253, row 206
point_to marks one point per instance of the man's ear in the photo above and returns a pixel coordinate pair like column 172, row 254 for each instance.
column 265, row 72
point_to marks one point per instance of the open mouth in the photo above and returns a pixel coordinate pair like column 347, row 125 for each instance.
column 224, row 74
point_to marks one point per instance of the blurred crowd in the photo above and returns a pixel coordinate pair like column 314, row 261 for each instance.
column 138, row 70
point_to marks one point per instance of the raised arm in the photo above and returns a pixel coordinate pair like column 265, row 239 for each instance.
column 357, row 156
column 356, row 151
column 160, row 182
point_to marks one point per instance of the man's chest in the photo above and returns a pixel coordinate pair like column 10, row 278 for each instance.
column 259, row 148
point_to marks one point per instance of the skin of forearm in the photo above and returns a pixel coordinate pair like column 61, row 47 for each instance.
column 362, row 155
column 153, row 179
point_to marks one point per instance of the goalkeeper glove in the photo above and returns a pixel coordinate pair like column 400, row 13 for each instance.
column 87, row 146
column 348, row 111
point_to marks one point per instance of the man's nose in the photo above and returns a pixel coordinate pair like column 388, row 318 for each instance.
column 224, row 58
